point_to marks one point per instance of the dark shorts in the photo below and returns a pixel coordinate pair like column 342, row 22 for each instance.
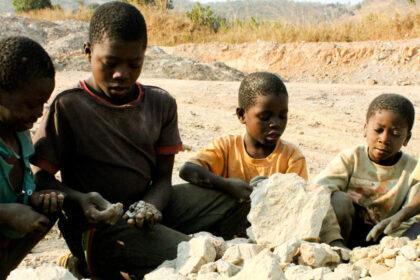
column 137, row 251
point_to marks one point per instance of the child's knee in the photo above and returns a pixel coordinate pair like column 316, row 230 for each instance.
column 343, row 205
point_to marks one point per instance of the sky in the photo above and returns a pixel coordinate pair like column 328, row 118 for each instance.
column 320, row 1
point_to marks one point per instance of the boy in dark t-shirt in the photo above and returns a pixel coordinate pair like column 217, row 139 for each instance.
column 114, row 140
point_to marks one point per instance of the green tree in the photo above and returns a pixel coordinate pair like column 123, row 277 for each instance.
column 27, row 5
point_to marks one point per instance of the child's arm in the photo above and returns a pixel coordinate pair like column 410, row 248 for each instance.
column 22, row 218
column 388, row 225
column 337, row 174
column 200, row 176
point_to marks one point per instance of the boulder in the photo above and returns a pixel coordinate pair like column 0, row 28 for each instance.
column 44, row 272
column 288, row 250
column 281, row 209
column 194, row 253
column 166, row 273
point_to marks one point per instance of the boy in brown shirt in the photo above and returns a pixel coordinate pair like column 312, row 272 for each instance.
column 114, row 140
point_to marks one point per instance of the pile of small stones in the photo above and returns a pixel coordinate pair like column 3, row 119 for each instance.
column 207, row 257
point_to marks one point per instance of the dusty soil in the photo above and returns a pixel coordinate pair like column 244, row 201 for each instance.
column 323, row 120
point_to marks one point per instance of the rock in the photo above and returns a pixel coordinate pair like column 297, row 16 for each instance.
column 208, row 268
column 288, row 250
column 393, row 242
column 190, row 265
column 44, row 272
column 281, row 209
column 389, row 253
column 210, row 276
column 166, row 273
column 343, row 272
column 409, row 252
column 237, row 254
column 264, row 266
column 343, row 253
column 377, row 269
column 237, row 241
column 389, row 262
column 363, row 266
column 227, row 269
column 303, row 272
column 194, row 253
column 170, row 264
column 374, row 251
column 218, row 242
column 405, row 271
column 358, row 253
column 316, row 255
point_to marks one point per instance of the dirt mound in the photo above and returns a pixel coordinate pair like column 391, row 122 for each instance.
column 388, row 63
column 64, row 40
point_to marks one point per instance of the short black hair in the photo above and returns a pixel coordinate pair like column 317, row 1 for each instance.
column 259, row 84
column 117, row 21
column 395, row 103
column 22, row 60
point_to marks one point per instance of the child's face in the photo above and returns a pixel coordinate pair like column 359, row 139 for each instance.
column 116, row 65
column 386, row 132
column 266, row 120
column 20, row 108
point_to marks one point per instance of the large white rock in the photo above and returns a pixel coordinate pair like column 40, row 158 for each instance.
column 237, row 254
column 218, row 242
column 303, row 272
column 45, row 272
column 264, row 266
column 282, row 209
column 317, row 255
column 194, row 253
column 409, row 252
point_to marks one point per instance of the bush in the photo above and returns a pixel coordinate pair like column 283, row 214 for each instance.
column 204, row 16
column 27, row 5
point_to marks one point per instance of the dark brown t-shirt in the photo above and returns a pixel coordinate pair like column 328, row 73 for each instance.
column 102, row 147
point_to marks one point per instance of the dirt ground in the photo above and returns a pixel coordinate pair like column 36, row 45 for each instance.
column 323, row 120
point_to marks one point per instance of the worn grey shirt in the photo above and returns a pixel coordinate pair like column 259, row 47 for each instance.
column 99, row 146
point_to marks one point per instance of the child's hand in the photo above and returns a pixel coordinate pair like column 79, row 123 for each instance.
column 141, row 214
column 99, row 210
column 387, row 225
column 47, row 201
column 24, row 219
column 239, row 189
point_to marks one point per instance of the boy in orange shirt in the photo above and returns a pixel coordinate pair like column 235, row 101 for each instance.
column 230, row 162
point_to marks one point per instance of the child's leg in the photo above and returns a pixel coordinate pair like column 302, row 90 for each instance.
column 344, row 210
column 193, row 209
column 413, row 231
column 13, row 251
column 123, row 248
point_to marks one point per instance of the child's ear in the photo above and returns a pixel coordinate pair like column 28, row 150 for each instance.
column 240, row 113
column 407, row 139
column 365, row 130
column 87, row 49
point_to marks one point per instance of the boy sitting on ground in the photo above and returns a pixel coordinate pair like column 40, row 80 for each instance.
column 371, row 184
column 114, row 139
column 230, row 162
column 26, row 83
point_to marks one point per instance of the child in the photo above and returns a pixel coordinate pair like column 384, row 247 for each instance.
column 115, row 140
column 371, row 183
column 26, row 83
column 230, row 162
